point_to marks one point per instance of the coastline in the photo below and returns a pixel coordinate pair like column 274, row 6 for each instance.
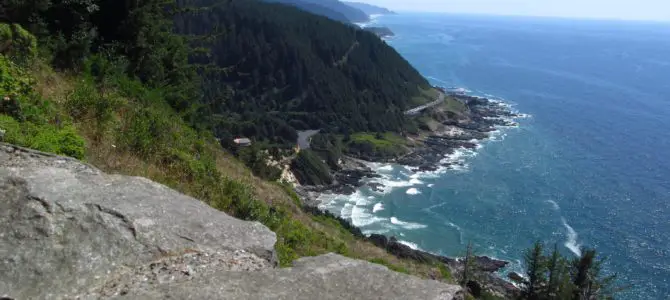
column 434, row 152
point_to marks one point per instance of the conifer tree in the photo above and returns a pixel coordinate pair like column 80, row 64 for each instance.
column 535, row 262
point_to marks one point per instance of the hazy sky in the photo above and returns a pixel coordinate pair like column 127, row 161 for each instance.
column 601, row 9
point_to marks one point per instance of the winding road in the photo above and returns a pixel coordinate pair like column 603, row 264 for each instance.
column 418, row 109
column 305, row 136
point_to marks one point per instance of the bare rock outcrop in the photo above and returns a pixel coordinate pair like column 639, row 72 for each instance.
column 329, row 276
column 66, row 226
column 70, row 231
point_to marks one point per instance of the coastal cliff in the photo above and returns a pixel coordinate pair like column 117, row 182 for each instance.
column 72, row 231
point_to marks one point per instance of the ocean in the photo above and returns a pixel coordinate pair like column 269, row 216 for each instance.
column 589, row 165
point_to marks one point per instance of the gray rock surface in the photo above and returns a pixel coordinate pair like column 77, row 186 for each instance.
column 64, row 226
column 70, row 231
column 329, row 276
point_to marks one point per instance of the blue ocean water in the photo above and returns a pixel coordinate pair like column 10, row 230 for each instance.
column 589, row 167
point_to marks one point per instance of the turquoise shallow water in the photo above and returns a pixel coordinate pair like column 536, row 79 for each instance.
column 590, row 167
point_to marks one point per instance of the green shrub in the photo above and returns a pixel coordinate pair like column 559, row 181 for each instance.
column 13, row 131
column 381, row 261
column 82, row 99
column 291, row 193
column 309, row 169
column 17, row 43
column 15, row 84
column 444, row 272
column 63, row 141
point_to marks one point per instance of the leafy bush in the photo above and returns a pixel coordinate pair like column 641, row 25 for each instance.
column 444, row 272
column 17, row 43
column 63, row 141
column 13, row 132
column 30, row 121
column 309, row 169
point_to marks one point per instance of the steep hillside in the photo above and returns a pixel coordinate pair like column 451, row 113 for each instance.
column 315, row 8
column 270, row 69
column 370, row 9
column 352, row 14
column 122, row 99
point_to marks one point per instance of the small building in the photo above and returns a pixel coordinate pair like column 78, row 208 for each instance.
column 242, row 142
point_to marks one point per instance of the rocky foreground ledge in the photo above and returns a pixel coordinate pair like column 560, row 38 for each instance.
column 70, row 231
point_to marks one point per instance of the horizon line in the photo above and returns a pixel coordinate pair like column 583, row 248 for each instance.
column 580, row 18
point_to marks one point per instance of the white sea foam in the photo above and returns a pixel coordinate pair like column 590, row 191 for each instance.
column 388, row 184
column 431, row 174
column 554, row 205
column 460, row 232
column 406, row 225
column 415, row 181
column 571, row 242
column 360, row 217
column 373, row 20
column 431, row 185
column 385, row 168
column 413, row 191
column 378, row 207
column 347, row 211
column 409, row 244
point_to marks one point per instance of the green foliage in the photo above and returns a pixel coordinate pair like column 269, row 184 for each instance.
column 554, row 277
column 444, row 272
column 333, row 9
column 13, row 132
column 17, row 43
column 140, row 31
column 65, row 141
column 30, row 121
column 469, row 266
column 257, row 160
column 329, row 147
column 379, row 146
column 310, row 170
column 290, row 192
column 381, row 261
column 15, row 83
column 273, row 69
column 488, row 296
column 536, row 266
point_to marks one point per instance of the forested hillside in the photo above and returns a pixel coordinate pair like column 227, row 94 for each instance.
column 315, row 8
column 370, row 9
column 351, row 13
column 270, row 69
column 109, row 83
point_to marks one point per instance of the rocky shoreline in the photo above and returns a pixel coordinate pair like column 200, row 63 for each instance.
column 456, row 131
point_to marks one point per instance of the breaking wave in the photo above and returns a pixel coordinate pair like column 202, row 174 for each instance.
column 554, row 205
column 413, row 191
column 409, row 244
column 378, row 207
column 406, row 225
column 571, row 242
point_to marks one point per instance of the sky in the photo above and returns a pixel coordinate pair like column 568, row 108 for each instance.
column 656, row 10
